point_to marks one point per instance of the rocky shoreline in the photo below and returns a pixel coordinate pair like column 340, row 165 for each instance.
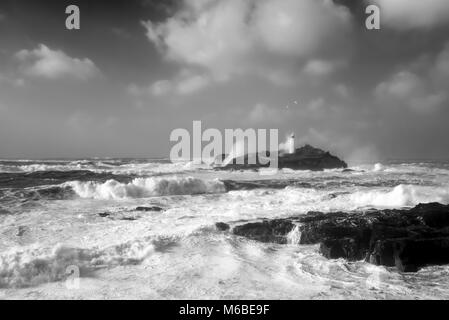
column 407, row 239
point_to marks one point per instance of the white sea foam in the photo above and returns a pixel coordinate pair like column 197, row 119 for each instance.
column 146, row 187
column 23, row 267
column 293, row 200
column 294, row 236
column 112, row 166
column 378, row 167
column 154, row 167
column 400, row 196
column 119, row 258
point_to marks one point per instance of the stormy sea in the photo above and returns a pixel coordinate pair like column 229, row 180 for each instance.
column 146, row 229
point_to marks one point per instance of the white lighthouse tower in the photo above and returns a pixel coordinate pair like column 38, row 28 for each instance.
column 291, row 144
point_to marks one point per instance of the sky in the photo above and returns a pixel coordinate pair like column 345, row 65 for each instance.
column 138, row 69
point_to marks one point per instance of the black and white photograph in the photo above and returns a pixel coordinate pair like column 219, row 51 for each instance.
column 224, row 150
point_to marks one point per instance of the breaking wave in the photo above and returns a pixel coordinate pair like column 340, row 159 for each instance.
column 401, row 196
column 34, row 265
column 113, row 166
column 146, row 187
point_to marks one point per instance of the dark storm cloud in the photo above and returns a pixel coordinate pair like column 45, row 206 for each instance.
column 138, row 69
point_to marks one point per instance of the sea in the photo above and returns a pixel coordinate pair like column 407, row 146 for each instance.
column 73, row 229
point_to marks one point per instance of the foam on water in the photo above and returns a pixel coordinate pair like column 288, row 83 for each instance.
column 117, row 166
column 146, row 187
column 401, row 196
column 293, row 200
column 178, row 252
column 294, row 236
column 23, row 267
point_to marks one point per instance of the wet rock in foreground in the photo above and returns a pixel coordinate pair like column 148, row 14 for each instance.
column 266, row 231
column 150, row 208
column 407, row 239
column 221, row 226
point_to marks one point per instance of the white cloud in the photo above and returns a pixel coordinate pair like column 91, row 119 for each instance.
column 54, row 64
column 261, row 113
column 267, row 38
column 161, row 87
column 412, row 14
column 299, row 28
column 190, row 84
column 440, row 69
column 407, row 88
column 184, row 83
column 401, row 85
column 420, row 91
column 320, row 67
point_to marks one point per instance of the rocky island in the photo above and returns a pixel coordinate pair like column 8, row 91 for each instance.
column 405, row 238
column 304, row 158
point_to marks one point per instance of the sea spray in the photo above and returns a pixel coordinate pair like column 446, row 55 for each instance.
column 294, row 236
column 146, row 187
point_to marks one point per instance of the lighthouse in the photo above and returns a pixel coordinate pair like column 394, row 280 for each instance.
column 291, row 144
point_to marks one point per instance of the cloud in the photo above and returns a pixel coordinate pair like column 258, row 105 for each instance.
column 191, row 83
column 314, row 108
column 440, row 68
column 316, row 105
column 408, row 89
column 261, row 114
column 161, row 87
column 269, row 38
column 401, row 85
column 320, row 67
column 342, row 90
column 421, row 91
column 54, row 64
column 413, row 14
column 12, row 80
column 184, row 83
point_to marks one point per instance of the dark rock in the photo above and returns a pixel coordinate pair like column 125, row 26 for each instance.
column 118, row 216
column 345, row 247
column 152, row 208
column 304, row 158
column 221, row 226
column 21, row 230
column 310, row 158
column 104, row 214
column 266, row 231
column 407, row 239
column 433, row 214
column 351, row 170
column 128, row 218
